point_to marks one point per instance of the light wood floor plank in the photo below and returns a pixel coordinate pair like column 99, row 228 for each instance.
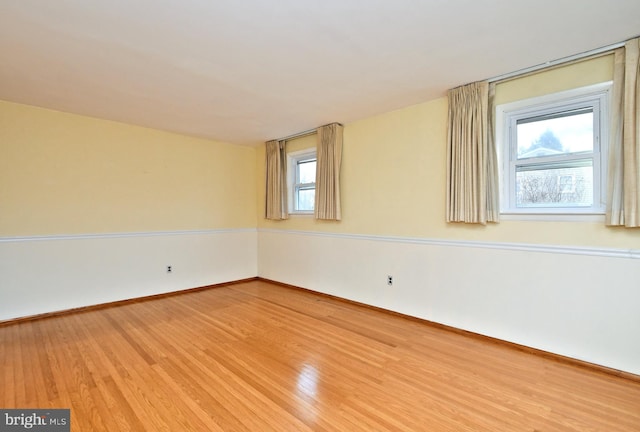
column 259, row 356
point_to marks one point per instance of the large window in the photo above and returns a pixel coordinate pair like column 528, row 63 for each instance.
column 302, row 180
column 553, row 153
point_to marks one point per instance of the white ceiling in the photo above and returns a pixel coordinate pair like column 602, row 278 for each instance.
column 245, row 71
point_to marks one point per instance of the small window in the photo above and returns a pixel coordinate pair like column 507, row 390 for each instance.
column 553, row 154
column 302, row 181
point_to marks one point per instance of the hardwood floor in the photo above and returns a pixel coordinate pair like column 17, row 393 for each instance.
column 261, row 357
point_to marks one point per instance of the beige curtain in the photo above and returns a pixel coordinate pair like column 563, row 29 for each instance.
column 276, row 181
column 329, row 154
column 493, row 176
column 472, row 174
column 623, row 195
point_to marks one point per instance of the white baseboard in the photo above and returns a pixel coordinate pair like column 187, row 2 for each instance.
column 51, row 273
column 576, row 302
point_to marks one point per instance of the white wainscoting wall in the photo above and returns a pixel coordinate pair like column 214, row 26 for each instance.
column 582, row 303
column 54, row 273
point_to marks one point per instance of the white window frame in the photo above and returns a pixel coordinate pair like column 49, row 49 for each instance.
column 293, row 184
column 507, row 115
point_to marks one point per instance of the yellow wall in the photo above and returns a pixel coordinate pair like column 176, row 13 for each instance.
column 63, row 174
column 67, row 174
column 557, row 79
column 302, row 143
column 394, row 175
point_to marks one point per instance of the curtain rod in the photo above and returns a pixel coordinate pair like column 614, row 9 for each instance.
column 557, row 62
column 298, row 135
column 305, row 133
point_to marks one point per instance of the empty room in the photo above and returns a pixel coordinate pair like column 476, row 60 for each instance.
column 320, row 216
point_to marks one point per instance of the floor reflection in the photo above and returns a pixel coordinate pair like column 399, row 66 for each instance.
column 307, row 382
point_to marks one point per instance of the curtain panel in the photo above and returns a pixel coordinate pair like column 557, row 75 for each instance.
column 276, row 207
column 329, row 159
column 472, row 168
column 623, row 193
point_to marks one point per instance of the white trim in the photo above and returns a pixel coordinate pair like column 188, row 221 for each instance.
column 123, row 234
column 523, row 247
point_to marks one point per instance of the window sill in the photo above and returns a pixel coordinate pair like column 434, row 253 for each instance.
column 553, row 217
column 298, row 213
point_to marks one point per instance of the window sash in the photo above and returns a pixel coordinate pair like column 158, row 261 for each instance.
column 552, row 184
column 300, row 162
column 302, row 188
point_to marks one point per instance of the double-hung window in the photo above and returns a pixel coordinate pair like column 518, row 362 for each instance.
column 553, row 153
column 302, row 180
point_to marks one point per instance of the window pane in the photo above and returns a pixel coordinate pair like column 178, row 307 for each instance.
column 563, row 133
column 307, row 171
column 306, row 199
column 560, row 186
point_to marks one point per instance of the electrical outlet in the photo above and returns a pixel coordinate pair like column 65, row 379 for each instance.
column 389, row 280
column 168, row 269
